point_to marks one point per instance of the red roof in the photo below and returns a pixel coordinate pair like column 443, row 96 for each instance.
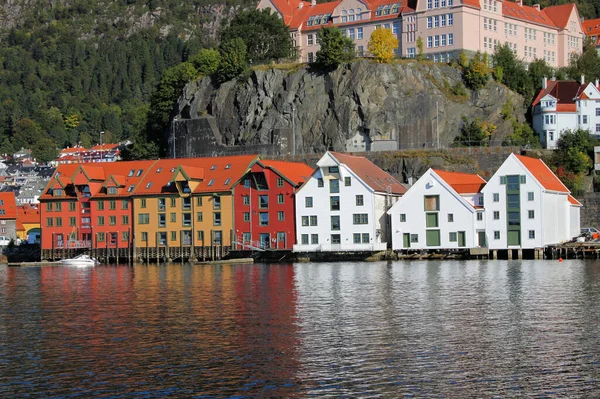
column 20, row 226
column 462, row 183
column 591, row 27
column 573, row 201
column 542, row 173
column 296, row 172
column 370, row 173
column 565, row 91
column 560, row 14
column 104, row 147
column 8, row 205
column 28, row 215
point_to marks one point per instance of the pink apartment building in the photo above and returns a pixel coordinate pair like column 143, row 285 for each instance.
column 447, row 27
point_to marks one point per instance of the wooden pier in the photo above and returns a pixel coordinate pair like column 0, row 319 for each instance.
column 573, row 250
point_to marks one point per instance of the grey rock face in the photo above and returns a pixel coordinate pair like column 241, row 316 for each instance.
column 381, row 100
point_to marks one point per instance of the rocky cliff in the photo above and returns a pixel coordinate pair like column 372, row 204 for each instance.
column 383, row 101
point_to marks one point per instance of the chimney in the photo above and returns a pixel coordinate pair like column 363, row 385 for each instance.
column 597, row 82
column 313, row 3
column 582, row 79
column 544, row 82
column 300, row 5
column 536, row 6
column 519, row 3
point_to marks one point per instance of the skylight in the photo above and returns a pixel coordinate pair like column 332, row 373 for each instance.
column 213, row 167
column 131, row 173
column 158, row 170
column 227, row 181
column 210, row 183
column 130, row 189
column 139, row 173
column 228, row 166
column 149, row 184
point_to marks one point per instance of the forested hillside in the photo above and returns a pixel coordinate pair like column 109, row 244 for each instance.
column 70, row 69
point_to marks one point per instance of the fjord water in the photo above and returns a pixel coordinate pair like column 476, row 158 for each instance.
column 423, row 329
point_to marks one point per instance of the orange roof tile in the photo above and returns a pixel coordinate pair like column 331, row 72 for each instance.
column 542, row 173
column 8, row 205
column 573, row 201
column 471, row 3
column 104, row 147
column 591, row 28
column 28, row 215
column 526, row 13
column 370, row 173
column 560, row 14
column 296, row 172
column 462, row 183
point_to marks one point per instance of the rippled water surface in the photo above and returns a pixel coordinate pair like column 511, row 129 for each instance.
column 406, row 329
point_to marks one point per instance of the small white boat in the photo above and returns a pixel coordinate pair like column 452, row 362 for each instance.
column 80, row 260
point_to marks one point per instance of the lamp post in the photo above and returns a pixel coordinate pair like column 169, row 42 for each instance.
column 101, row 149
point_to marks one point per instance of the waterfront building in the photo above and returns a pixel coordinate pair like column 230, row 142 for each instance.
column 527, row 206
column 442, row 210
column 28, row 223
column 264, row 204
column 446, row 27
column 565, row 105
column 8, row 215
column 342, row 207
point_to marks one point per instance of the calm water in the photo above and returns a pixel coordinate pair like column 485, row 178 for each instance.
column 422, row 329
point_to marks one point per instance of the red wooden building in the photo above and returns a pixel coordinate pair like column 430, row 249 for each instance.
column 264, row 206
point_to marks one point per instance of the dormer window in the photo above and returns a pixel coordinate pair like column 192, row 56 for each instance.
column 58, row 192
column 379, row 11
column 325, row 19
column 334, row 169
column 386, row 10
column 130, row 189
column 395, row 8
column 112, row 191
column 310, row 21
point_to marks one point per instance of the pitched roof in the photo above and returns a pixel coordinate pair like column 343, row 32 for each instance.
column 296, row 172
column 591, row 27
column 560, row 14
column 526, row 13
column 573, row 201
column 462, row 183
column 564, row 91
column 104, row 147
column 28, row 214
column 8, row 205
column 542, row 173
column 370, row 174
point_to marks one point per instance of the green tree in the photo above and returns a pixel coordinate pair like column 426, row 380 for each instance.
column 336, row 48
column 382, row 45
column 514, row 73
column 419, row 49
column 264, row 33
column 538, row 70
column 476, row 74
column 572, row 151
column 206, row 61
column 44, row 150
column 586, row 63
column 233, row 59
column 474, row 133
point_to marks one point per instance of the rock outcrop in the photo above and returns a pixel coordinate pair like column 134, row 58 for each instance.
column 383, row 101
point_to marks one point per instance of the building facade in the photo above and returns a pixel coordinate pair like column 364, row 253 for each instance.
column 342, row 207
column 566, row 105
column 264, row 204
column 8, row 215
column 442, row 210
column 527, row 206
column 446, row 27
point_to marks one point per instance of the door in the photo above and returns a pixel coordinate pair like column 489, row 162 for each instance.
column 462, row 239
column 481, row 236
column 514, row 237
column 264, row 240
column 406, row 240
column 281, row 240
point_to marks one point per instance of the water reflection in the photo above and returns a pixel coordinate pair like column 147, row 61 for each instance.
column 428, row 329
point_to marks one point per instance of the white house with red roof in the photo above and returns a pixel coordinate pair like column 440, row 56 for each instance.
column 528, row 207
column 447, row 27
column 565, row 105
column 442, row 210
column 591, row 29
column 342, row 207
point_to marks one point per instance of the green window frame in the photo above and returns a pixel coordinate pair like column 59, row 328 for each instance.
column 432, row 238
column 431, row 220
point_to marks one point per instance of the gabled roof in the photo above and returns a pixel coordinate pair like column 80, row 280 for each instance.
column 462, row 183
column 564, row 91
column 573, row 201
column 104, row 147
column 560, row 14
column 591, row 28
column 8, row 209
column 296, row 172
column 542, row 173
column 370, row 174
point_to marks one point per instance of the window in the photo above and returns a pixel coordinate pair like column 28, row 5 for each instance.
column 360, row 218
column 100, row 205
column 496, row 197
column 532, row 234
column 280, row 198
column 450, row 22
column 436, row 41
column 199, row 216
column 429, row 41
column 280, row 216
column 452, row 237
column 246, row 199
column 429, row 22
column 173, row 217
column 143, row 203
column 334, row 169
column 314, row 239
column 479, row 216
column 514, row 219
column 530, row 196
column 124, row 204
column 162, row 220
column 49, row 206
column 72, row 206
column 199, row 201
column 335, row 222
column 360, row 201
column 112, row 205
column 334, row 203
column 49, row 222
column 450, row 35
column 432, row 202
column 531, row 214
column 59, row 206
column 320, row 182
column 263, row 201
column 308, row 202
column 72, row 221
column 161, row 204
column 246, row 183
column 144, row 236
column 496, row 215
column 149, row 185
column 313, row 220
column 100, row 237
column 431, row 220
column 450, row 217
column 217, row 218
column 309, row 40
column 336, row 239
column 100, row 220
column 402, row 217
column 304, row 239
column 173, row 236
column 359, row 33
column 173, row 202
column 334, row 186
column 216, row 202
column 263, row 218
column 58, row 222
column 280, row 182
column 356, row 238
column 125, row 220
column 414, row 238
column 186, row 219
column 347, row 181
column 304, row 220
column 112, row 220
column 144, row 218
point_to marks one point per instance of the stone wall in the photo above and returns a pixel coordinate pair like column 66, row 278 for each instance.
column 590, row 213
